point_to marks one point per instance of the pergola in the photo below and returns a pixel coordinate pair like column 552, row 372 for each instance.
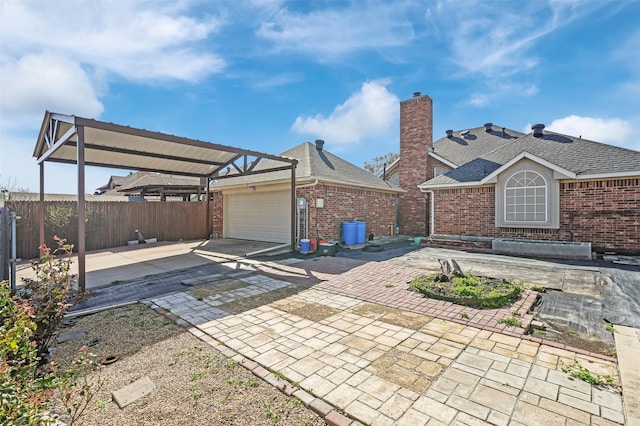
column 87, row 142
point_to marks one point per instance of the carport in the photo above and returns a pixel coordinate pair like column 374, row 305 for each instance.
column 88, row 142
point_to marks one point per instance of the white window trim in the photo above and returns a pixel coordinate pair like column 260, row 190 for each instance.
column 552, row 196
column 546, row 199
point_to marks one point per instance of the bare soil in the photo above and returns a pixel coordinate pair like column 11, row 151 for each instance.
column 194, row 383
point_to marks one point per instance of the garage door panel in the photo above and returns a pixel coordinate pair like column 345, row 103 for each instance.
column 258, row 216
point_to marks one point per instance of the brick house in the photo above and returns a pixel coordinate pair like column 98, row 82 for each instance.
column 258, row 207
column 486, row 183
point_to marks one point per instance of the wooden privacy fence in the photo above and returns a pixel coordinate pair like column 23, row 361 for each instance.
column 108, row 223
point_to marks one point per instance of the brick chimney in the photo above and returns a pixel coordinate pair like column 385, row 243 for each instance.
column 416, row 137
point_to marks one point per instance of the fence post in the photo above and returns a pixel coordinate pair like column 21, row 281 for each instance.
column 14, row 257
column 4, row 243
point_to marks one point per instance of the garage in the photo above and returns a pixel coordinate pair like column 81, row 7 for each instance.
column 258, row 216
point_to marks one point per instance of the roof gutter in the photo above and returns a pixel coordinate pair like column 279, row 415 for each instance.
column 426, row 188
column 315, row 182
column 307, row 185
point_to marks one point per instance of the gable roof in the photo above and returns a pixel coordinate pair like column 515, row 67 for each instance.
column 570, row 155
column 313, row 164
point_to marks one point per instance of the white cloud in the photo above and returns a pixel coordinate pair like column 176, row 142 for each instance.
column 330, row 34
column 495, row 41
column 19, row 169
column 615, row 131
column 133, row 39
column 371, row 112
column 35, row 83
column 500, row 90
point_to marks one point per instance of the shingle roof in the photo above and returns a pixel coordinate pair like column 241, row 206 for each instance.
column 313, row 164
column 580, row 156
column 155, row 180
column 466, row 145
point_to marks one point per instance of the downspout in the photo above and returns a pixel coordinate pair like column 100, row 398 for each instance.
column 432, row 221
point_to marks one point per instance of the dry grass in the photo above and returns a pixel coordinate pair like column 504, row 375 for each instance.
column 194, row 383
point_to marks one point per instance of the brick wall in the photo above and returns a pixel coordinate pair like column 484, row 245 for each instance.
column 377, row 209
column 341, row 204
column 416, row 136
column 465, row 211
column 605, row 213
column 217, row 213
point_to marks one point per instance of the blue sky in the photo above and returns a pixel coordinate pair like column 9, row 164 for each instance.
column 269, row 74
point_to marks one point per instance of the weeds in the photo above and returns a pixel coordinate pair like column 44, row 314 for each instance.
column 464, row 315
column 609, row 327
column 582, row 373
column 78, row 384
column 510, row 322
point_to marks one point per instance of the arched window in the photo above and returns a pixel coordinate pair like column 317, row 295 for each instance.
column 526, row 197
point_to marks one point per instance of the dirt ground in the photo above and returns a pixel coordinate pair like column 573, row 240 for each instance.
column 194, row 383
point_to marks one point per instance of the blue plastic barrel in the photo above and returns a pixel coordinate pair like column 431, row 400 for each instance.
column 349, row 231
column 361, row 232
column 304, row 245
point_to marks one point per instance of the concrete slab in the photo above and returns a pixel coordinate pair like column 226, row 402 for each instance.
column 628, row 348
column 133, row 392
column 107, row 267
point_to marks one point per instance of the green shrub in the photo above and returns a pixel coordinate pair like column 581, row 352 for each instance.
column 23, row 399
column 469, row 290
column 28, row 323
column 51, row 294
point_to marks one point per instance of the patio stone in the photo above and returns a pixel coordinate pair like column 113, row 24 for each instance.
column 132, row 392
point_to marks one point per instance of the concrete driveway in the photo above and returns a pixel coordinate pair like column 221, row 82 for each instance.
column 112, row 266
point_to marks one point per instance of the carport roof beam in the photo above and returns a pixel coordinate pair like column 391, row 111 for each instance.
column 116, row 146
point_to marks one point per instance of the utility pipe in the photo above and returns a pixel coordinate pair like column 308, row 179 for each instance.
column 432, row 221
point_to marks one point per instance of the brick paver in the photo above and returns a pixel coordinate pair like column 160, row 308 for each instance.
column 384, row 355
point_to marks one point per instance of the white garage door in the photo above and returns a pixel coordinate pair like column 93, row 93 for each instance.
column 258, row 216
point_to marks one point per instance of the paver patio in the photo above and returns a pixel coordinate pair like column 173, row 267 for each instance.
column 362, row 343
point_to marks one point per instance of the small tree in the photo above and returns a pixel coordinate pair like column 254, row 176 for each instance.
column 376, row 165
